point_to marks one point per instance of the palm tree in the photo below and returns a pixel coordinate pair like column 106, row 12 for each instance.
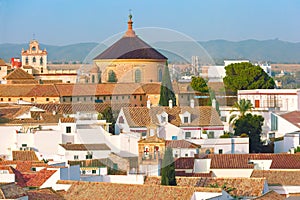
column 242, row 106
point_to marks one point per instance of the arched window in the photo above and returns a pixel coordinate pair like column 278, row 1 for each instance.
column 33, row 59
column 160, row 75
column 33, row 48
column 138, row 76
column 26, row 60
column 112, row 76
column 41, row 61
column 93, row 78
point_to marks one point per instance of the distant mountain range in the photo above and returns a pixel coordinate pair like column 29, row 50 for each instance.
column 274, row 51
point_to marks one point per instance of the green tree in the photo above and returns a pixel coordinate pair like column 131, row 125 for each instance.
column 245, row 76
column 166, row 89
column 168, row 168
column 108, row 115
column 199, row 84
column 251, row 125
column 112, row 77
column 242, row 106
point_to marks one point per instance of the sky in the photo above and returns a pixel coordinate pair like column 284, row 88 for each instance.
column 62, row 22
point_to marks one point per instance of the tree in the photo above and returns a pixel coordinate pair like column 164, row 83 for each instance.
column 166, row 89
column 112, row 77
column 199, row 84
column 242, row 106
column 245, row 76
column 168, row 168
column 251, row 125
column 108, row 115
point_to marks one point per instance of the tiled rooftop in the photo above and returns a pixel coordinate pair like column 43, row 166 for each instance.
column 271, row 195
column 184, row 163
column 18, row 74
column 113, row 191
column 279, row 161
column 85, row 147
column 183, row 144
column 251, row 187
column 45, row 193
column 279, row 177
column 68, row 120
column 292, row 117
column 11, row 191
column 200, row 116
column 24, row 156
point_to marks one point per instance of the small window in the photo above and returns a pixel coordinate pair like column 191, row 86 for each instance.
column 176, row 155
column 1, row 99
column 33, row 169
column 187, row 135
column 94, row 171
column 186, row 155
column 211, row 134
column 141, row 97
column 110, row 97
column 83, row 171
column 185, row 120
column 134, row 96
column 91, row 98
column 9, row 99
column 21, row 98
column 122, row 97
column 42, row 70
column 84, row 98
column 78, row 98
column 128, row 97
column 144, row 134
column 76, row 157
column 117, row 97
column 174, row 137
column 24, row 145
column 26, row 61
column 163, row 119
column 32, row 99
column 68, row 129
column 41, row 61
column 34, row 60
column 47, row 99
column 220, row 151
column 64, row 99
column 89, row 156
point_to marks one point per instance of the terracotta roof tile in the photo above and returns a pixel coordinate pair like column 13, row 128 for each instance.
column 200, row 116
column 85, row 147
column 68, row 120
column 105, row 191
column 279, row 161
column 184, row 163
column 292, row 117
column 249, row 187
column 152, row 88
column 28, row 90
column 23, row 166
column 39, row 178
column 11, row 191
column 18, row 74
column 183, row 144
column 271, row 195
column 2, row 62
column 279, row 177
column 24, row 156
column 45, row 193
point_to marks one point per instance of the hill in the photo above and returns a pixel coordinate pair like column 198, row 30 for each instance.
column 274, row 51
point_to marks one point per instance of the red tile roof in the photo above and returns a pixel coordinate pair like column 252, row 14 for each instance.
column 40, row 178
column 184, row 163
column 18, row 74
column 279, row 161
column 45, row 193
column 183, row 144
column 85, row 147
column 271, row 195
column 68, row 120
column 11, row 191
column 292, row 117
column 279, row 177
column 24, row 156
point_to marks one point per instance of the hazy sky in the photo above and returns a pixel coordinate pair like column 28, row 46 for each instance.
column 60, row 22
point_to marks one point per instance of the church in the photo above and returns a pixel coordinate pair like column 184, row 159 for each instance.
column 130, row 60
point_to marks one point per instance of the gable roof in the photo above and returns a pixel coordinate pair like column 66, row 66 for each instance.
column 200, row 116
column 184, row 163
column 24, row 156
column 11, row 191
column 279, row 161
column 183, row 144
column 39, row 178
column 271, row 195
column 18, row 74
column 85, row 147
column 96, row 190
column 67, row 120
column 292, row 117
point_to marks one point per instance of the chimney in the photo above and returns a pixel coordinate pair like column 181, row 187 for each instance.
column 214, row 103
column 148, row 104
column 192, row 103
column 170, row 103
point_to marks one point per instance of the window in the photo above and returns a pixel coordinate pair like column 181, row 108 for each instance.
column 144, row 134
column 163, row 119
column 110, row 98
column 121, row 120
column 9, row 99
column 91, row 98
column 176, row 155
column 115, row 166
column 186, row 120
column 207, row 151
column 122, row 97
column 128, row 97
column 76, row 157
column 134, row 96
column 187, row 135
column 89, row 156
column 83, row 171
column 78, row 98
column 24, row 145
column 42, row 70
column 104, row 98
column 93, row 78
column 1, row 99
column 33, row 169
column 41, row 61
column 141, row 97
column 174, row 137
column 26, row 60
column 256, row 103
column 33, row 59
column 138, row 76
column 186, row 155
column 64, row 99
column 94, row 171
column 32, row 99
column 21, row 98
column 274, row 122
column 47, row 99
column 33, row 48
column 220, row 151
column 84, row 98
column 211, row 134
column 68, row 129
column 160, row 75
column 117, row 97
